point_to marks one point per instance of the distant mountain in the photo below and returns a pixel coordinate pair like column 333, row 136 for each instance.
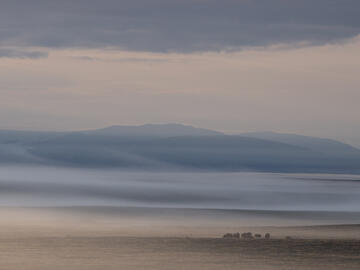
column 163, row 130
column 172, row 146
column 326, row 146
column 21, row 136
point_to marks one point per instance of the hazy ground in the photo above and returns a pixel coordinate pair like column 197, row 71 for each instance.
column 175, row 220
column 133, row 238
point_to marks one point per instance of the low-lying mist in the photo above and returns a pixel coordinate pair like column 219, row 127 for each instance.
column 50, row 186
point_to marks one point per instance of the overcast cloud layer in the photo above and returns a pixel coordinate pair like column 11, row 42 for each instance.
column 178, row 25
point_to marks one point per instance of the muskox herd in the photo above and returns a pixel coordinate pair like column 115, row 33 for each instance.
column 247, row 235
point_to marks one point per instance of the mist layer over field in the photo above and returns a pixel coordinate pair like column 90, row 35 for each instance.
column 48, row 186
column 103, row 219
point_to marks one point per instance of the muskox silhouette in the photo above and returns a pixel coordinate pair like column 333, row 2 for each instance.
column 247, row 235
column 232, row 236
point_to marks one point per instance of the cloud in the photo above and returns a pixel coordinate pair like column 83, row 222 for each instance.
column 178, row 25
column 123, row 59
column 22, row 54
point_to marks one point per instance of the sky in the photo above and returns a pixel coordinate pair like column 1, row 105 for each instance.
column 233, row 66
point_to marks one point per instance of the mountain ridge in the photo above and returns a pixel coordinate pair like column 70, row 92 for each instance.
column 170, row 129
column 173, row 146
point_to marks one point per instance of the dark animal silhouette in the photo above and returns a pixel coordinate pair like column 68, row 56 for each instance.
column 247, row 235
column 228, row 235
column 232, row 235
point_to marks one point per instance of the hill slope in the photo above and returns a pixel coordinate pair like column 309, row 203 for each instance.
column 153, row 147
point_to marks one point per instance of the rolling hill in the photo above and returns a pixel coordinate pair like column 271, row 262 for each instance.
column 178, row 147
